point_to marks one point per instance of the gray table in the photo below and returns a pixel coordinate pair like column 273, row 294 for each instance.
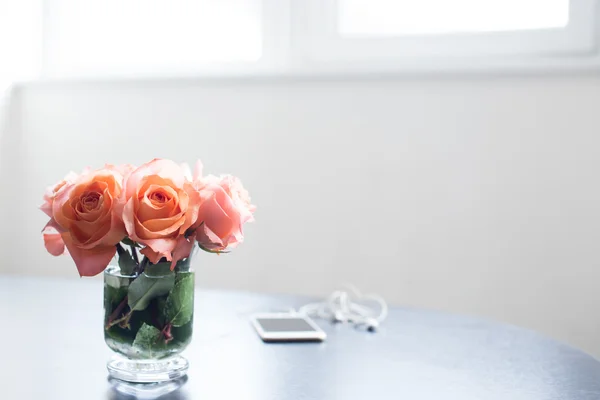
column 52, row 348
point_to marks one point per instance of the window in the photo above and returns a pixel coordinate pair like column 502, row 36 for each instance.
column 150, row 37
column 446, row 32
column 183, row 37
column 388, row 18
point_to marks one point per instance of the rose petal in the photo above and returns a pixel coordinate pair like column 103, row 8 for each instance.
column 123, row 169
column 166, row 169
column 208, row 239
column 92, row 261
column 59, row 205
column 187, row 172
column 86, row 229
column 159, row 227
column 152, row 255
column 87, row 241
column 117, row 231
column 198, row 170
column 129, row 219
column 193, row 208
column 183, row 248
column 163, row 246
column 149, row 209
column 53, row 241
column 47, row 208
column 213, row 212
column 90, row 216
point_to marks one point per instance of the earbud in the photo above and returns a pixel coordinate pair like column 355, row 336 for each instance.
column 349, row 307
column 338, row 316
column 372, row 324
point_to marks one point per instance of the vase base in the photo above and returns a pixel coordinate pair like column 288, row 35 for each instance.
column 146, row 391
column 147, row 371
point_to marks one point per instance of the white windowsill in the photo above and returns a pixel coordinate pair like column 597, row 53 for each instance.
column 439, row 68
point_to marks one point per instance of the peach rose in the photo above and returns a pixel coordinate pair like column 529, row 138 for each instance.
column 224, row 209
column 51, row 192
column 161, row 205
column 52, row 238
column 83, row 212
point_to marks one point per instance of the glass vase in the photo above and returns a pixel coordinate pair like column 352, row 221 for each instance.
column 148, row 318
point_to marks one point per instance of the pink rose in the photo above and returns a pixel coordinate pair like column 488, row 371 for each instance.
column 161, row 205
column 224, row 209
column 84, row 213
column 196, row 176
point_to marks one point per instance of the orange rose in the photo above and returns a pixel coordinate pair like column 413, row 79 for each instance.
column 161, row 205
column 84, row 213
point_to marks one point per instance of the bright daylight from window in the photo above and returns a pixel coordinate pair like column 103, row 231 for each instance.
column 407, row 17
column 150, row 36
column 117, row 38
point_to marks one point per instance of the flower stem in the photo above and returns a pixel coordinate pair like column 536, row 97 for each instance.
column 134, row 254
column 141, row 266
column 166, row 332
column 125, row 318
column 111, row 319
column 120, row 249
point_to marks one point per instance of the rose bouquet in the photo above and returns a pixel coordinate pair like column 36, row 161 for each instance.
column 149, row 219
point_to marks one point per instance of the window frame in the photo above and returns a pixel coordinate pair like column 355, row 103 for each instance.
column 300, row 39
column 574, row 46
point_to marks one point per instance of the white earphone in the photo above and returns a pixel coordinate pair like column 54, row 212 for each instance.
column 349, row 306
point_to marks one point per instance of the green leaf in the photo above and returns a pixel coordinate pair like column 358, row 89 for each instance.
column 130, row 242
column 159, row 309
column 139, row 318
column 146, row 287
column 148, row 338
column 158, row 270
column 112, row 297
column 182, row 335
column 180, row 303
column 119, row 335
column 126, row 262
column 184, row 275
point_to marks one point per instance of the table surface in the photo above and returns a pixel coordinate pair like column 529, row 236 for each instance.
column 53, row 348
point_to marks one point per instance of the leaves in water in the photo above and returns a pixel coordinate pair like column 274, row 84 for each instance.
column 183, row 334
column 119, row 334
column 184, row 264
column 113, row 296
column 180, row 303
column 148, row 338
column 159, row 269
column 146, row 287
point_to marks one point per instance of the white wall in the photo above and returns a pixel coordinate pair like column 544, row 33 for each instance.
column 477, row 196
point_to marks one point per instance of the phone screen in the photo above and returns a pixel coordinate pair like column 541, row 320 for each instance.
column 284, row 325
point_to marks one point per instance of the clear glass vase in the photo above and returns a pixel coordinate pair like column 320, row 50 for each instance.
column 148, row 319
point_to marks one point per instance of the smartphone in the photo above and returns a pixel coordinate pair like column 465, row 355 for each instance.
column 283, row 327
